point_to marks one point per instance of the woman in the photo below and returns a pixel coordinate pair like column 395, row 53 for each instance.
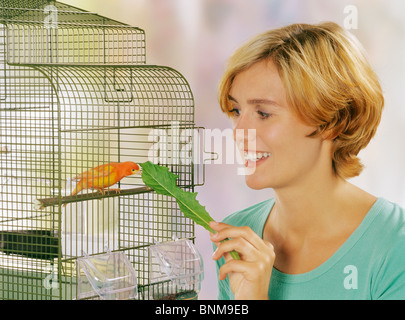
column 314, row 102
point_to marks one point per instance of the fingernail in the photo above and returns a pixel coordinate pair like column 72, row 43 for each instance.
column 214, row 236
column 213, row 223
column 213, row 255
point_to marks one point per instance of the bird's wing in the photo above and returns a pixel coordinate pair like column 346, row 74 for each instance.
column 101, row 171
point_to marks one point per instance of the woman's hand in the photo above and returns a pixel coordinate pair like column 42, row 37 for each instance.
column 249, row 277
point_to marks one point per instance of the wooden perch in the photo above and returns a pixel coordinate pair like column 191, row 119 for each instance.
column 47, row 202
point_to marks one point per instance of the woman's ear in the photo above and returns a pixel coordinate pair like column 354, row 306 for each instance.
column 325, row 134
column 333, row 130
column 330, row 134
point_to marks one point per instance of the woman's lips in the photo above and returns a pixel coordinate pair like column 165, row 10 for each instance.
column 253, row 159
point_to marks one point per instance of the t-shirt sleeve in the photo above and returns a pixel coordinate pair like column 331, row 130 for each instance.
column 223, row 285
column 390, row 279
column 223, row 288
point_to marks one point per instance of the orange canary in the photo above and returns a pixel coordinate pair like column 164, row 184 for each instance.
column 104, row 176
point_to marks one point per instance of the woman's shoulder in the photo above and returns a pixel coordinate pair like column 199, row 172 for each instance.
column 389, row 224
column 387, row 238
column 253, row 216
column 391, row 214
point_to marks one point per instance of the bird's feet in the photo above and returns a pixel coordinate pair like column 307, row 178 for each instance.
column 117, row 190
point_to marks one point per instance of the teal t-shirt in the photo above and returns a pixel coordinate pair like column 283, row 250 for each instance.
column 369, row 265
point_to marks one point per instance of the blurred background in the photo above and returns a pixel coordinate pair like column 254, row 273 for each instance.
column 196, row 37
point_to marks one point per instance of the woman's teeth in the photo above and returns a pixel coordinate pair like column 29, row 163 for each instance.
column 256, row 156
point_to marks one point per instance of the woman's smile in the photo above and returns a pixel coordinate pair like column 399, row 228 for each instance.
column 254, row 159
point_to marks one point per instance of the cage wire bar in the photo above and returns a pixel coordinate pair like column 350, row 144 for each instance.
column 76, row 92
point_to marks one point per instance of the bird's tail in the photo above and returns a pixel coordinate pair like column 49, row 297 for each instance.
column 79, row 187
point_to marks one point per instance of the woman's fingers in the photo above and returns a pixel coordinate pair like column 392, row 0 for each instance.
column 247, row 269
column 251, row 271
column 236, row 266
column 249, row 276
column 217, row 226
column 244, row 241
column 244, row 248
column 225, row 232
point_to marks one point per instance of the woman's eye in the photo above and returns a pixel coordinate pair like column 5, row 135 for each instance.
column 234, row 112
column 263, row 115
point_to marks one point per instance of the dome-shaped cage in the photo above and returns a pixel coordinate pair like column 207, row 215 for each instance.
column 76, row 93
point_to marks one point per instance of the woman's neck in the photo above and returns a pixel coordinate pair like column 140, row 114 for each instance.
column 317, row 207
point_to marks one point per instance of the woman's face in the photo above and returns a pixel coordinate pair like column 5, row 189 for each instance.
column 282, row 153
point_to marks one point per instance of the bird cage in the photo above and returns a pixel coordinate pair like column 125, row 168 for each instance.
column 75, row 93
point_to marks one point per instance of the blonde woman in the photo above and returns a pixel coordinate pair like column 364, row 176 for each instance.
column 314, row 102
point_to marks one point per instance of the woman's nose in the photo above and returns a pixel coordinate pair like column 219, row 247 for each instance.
column 242, row 123
column 244, row 134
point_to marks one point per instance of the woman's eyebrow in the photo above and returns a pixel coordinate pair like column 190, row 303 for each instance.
column 255, row 101
column 261, row 101
column 232, row 98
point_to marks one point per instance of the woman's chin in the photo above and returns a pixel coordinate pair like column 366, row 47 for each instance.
column 255, row 183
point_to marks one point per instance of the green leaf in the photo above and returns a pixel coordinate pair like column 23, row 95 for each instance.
column 164, row 182
column 192, row 209
column 161, row 180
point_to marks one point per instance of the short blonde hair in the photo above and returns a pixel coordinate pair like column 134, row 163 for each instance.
column 328, row 81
